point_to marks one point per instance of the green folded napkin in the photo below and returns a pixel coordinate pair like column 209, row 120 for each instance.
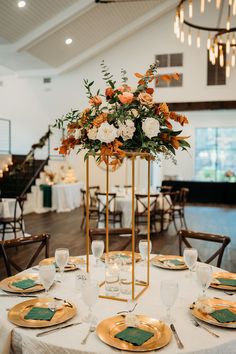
column 176, row 262
column 40, row 313
column 135, row 336
column 230, row 282
column 24, row 284
column 224, row 316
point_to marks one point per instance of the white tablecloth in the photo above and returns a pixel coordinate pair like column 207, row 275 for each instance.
column 67, row 341
column 7, row 209
column 65, row 197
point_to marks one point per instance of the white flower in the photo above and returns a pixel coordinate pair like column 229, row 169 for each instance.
column 151, row 127
column 92, row 133
column 77, row 133
column 127, row 129
column 106, row 133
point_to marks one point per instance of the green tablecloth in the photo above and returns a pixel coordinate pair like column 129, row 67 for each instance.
column 47, row 195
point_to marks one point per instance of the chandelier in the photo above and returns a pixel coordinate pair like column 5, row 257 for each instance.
column 220, row 41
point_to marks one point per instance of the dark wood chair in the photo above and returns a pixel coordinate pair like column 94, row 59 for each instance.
column 15, row 223
column 122, row 233
column 141, row 210
column 42, row 241
column 186, row 235
column 178, row 208
column 115, row 216
column 93, row 204
column 164, row 189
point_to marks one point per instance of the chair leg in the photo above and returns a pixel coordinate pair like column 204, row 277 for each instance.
column 3, row 232
column 184, row 221
column 82, row 223
column 175, row 225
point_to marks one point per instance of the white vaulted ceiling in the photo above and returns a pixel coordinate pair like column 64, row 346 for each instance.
column 33, row 38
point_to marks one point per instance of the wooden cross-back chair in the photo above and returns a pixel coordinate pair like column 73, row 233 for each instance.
column 178, row 208
column 42, row 241
column 14, row 223
column 185, row 235
column 141, row 209
column 115, row 216
column 164, row 211
column 93, row 204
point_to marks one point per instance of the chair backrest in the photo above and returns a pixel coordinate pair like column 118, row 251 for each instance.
column 186, row 235
column 101, row 197
column 183, row 196
column 92, row 195
column 142, row 202
column 42, row 240
column 164, row 189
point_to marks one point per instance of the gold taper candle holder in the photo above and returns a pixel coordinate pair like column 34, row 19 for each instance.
column 142, row 286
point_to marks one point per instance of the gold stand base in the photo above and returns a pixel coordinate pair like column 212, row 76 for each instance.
column 144, row 287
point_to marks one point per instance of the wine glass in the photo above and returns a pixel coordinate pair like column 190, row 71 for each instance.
column 61, row 258
column 90, row 292
column 143, row 249
column 97, row 249
column 169, row 293
column 204, row 272
column 47, row 275
column 190, row 258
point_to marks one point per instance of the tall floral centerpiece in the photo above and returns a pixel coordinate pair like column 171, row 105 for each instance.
column 118, row 122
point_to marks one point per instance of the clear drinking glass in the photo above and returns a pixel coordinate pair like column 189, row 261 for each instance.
column 169, row 293
column 61, row 258
column 97, row 249
column 112, row 275
column 190, row 258
column 204, row 277
column 90, row 291
column 47, row 276
column 143, row 249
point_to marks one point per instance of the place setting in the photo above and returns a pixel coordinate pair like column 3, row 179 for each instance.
column 170, row 262
column 63, row 262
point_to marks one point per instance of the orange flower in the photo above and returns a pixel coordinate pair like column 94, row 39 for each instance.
column 145, row 98
column 179, row 118
column 163, row 108
column 95, row 101
column 126, row 97
column 150, row 90
column 100, row 119
column 109, row 92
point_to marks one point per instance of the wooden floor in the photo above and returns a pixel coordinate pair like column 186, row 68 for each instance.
column 65, row 232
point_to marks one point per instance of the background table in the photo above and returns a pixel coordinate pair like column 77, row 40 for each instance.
column 67, row 341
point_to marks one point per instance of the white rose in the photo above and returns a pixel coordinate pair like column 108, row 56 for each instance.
column 151, row 127
column 92, row 133
column 77, row 133
column 129, row 123
column 127, row 129
column 106, row 133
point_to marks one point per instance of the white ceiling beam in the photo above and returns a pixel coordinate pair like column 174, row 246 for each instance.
column 126, row 31
column 54, row 24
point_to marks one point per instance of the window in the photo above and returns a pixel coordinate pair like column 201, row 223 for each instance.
column 168, row 60
column 216, row 74
column 215, row 153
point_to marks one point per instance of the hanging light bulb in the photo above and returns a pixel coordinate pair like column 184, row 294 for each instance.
column 182, row 35
column 216, row 51
column 228, row 23
column 230, row 2
column 178, row 32
column 202, row 7
column 218, row 4
column 209, row 41
column 209, row 0
column 213, row 59
column 233, row 57
column 190, row 8
column 227, row 69
column 221, row 57
column 228, row 44
column 234, row 8
column 233, row 40
column 181, row 14
column 189, row 37
column 198, row 40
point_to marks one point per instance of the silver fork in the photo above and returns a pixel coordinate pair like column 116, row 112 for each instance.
column 92, row 329
column 197, row 324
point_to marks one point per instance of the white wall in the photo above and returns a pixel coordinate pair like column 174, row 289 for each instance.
column 31, row 107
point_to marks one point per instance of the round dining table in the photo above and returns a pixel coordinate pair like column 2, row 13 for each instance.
column 19, row 340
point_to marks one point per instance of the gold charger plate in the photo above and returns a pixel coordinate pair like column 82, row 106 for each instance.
column 224, row 275
column 17, row 313
column 6, row 284
column 216, row 304
column 73, row 263
column 137, row 256
column 159, row 260
column 108, row 328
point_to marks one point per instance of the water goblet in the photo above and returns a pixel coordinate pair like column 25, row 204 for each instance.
column 61, row 258
column 143, row 249
column 97, row 249
column 90, row 291
column 190, row 258
column 204, row 277
column 169, row 293
column 46, row 276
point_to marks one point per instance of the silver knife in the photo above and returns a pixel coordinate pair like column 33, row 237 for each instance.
column 178, row 341
column 16, row 295
column 57, row 329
